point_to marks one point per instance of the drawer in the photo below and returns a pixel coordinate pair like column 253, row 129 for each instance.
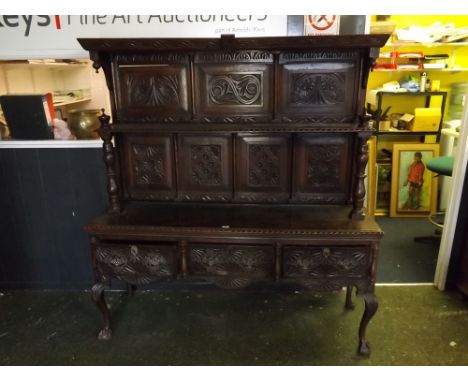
column 322, row 261
column 136, row 263
column 249, row 261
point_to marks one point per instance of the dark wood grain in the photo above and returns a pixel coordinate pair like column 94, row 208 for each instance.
column 239, row 160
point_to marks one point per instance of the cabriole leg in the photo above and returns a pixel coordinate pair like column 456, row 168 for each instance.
column 97, row 292
column 369, row 311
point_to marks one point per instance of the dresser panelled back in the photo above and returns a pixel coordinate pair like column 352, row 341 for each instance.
column 251, row 120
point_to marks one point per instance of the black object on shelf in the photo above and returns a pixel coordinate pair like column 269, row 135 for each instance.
column 27, row 116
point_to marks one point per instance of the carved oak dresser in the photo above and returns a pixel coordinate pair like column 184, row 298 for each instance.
column 236, row 160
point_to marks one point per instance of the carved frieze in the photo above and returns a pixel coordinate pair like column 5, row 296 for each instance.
column 206, row 165
column 136, row 264
column 224, row 260
column 236, row 89
column 326, row 262
column 239, row 56
column 152, row 90
column 148, row 164
column 322, row 54
column 150, row 58
column 317, row 88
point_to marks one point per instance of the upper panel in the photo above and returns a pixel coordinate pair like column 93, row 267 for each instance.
column 318, row 86
column 152, row 87
column 233, row 86
column 306, row 79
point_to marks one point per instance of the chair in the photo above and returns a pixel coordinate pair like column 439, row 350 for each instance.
column 442, row 165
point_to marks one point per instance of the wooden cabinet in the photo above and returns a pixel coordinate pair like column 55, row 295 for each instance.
column 235, row 161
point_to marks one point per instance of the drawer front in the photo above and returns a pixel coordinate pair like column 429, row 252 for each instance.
column 136, row 263
column 317, row 86
column 323, row 262
column 263, row 164
column 153, row 87
column 205, row 167
column 233, row 87
column 322, row 168
column 149, row 167
column 249, row 261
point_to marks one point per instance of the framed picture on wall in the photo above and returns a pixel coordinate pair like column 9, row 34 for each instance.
column 382, row 195
column 414, row 187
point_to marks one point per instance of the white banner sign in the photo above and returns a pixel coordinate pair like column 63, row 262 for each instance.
column 49, row 36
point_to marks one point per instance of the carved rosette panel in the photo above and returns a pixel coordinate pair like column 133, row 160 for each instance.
column 235, row 89
column 264, row 168
column 317, row 88
column 326, row 262
column 152, row 90
column 206, row 165
column 136, row 264
column 238, row 262
column 323, row 166
column 148, row 164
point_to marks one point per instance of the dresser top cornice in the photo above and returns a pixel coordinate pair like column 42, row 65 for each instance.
column 229, row 42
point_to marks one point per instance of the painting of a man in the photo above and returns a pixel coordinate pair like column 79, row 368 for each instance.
column 414, row 182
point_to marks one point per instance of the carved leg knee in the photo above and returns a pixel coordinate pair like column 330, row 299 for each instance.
column 349, row 302
column 97, row 292
column 369, row 311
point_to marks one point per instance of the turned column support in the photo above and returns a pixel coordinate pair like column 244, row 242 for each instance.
column 109, row 159
column 359, row 191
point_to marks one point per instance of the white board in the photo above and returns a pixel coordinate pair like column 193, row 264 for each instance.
column 50, row 36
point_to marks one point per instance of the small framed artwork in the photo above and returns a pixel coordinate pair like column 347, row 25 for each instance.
column 382, row 195
column 414, row 187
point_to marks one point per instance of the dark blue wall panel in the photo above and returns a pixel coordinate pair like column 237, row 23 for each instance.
column 46, row 197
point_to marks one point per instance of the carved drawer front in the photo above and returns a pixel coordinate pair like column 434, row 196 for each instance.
column 233, row 86
column 205, row 167
column 221, row 260
column 263, row 165
column 318, row 261
column 136, row 263
column 153, row 87
column 317, row 86
column 322, row 168
column 149, row 167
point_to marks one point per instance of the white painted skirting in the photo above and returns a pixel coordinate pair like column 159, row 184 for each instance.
column 51, row 144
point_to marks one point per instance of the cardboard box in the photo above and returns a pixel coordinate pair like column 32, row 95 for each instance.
column 426, row 119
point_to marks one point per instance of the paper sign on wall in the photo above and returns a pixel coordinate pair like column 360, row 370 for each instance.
column 321, row 25
column 54, row 36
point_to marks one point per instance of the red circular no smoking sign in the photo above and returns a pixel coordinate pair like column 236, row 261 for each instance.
column 321, row 22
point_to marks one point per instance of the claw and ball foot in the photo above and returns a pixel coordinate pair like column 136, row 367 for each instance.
column 369, row 311
column 105, row 334
column 97, row 292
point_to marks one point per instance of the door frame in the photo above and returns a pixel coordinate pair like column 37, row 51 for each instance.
column 451, row 216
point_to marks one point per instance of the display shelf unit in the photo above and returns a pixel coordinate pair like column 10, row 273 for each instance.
column 384, row 164
column 428, row 95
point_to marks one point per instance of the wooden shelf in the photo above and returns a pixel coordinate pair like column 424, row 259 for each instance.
column 421, row 70
column 428, row 45
column 406, row 132
column 58, row 104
